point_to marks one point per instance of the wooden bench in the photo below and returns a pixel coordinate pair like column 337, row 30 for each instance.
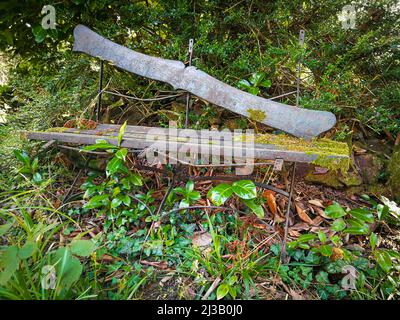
column 276, row 148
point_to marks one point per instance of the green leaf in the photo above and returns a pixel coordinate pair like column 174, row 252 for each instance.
column 306, row 237
column 362, row 214
column 68, row 268
column 37, row 178
column 322, row 277
column 126, row 199
column 266, row 84
column 335, row 211
column 9, row 262
column 190, row 185
column 338, row 225
column 113, row 166
column 222, row 291
column 384, row 260
column 322, row 236
column 121, row 153
column 121, row 133
column 184, row 204
column 256, row 78
column 357, row 230
column 256, row 208
column 115, row 203
column 253, row 90
column 97, row 201
column 135, row 179
column 382, row 211
column 244, row 84
column 82, row 248
column 326, row 250
column 194, row 195
column 27, row 250
column 219, row 194
column 23, row 157
column 373, row 239
column 245, row 189
column 4, row 228
column 39, row 33
column 102, row 145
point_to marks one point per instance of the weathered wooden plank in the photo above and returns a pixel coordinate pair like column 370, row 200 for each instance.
column 138, row 141
column 296, row 121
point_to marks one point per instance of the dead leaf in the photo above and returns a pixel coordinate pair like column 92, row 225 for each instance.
column 321, row 213
column 301, row 226
column 294, row 233
column 320, row 170
column 271, row 200
column 316, row 202
column 303, row 215
column 202, row 239
column 157, row 264
column 337, row 254
column 295, row 295
column 318, row 220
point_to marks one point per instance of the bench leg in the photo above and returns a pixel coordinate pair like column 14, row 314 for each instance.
column 292, row 183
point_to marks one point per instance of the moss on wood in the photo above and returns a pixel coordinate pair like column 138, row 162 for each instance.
column 256, row 115
column 330, row 154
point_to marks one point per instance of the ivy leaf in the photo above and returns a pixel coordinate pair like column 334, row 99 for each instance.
column 335, row 211
column 256, row 208
column 219, row 194
column 82, row 248
column 222, row 291
column 245, row 189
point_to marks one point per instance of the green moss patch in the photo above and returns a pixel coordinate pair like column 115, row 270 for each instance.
column 332, row 155
column 256, row 115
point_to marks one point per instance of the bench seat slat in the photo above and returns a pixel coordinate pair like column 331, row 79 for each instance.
column 135, row 138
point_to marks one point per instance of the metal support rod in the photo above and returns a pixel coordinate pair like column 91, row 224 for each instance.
column 283, row 248
column 100, row 92
column 301, row 43
column 188, row 94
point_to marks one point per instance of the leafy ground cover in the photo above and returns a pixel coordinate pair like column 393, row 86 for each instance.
column 107, row 238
